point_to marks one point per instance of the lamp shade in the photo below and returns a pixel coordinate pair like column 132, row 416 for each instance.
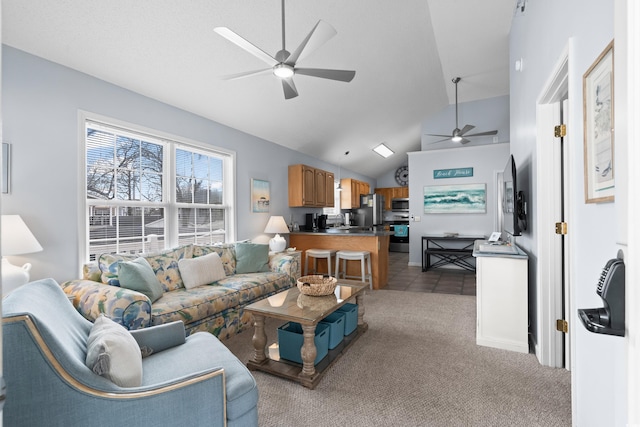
column 276, row 225
column 16, row 237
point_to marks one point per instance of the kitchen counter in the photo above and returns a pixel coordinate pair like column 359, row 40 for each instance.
column 347, row 232
column 376, row 242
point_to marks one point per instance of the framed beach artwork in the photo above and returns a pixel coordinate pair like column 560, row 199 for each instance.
column 462, row 198
column 599, row 184
column 259, row 196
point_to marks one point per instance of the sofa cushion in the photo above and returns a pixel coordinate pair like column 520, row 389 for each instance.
column 251, row 258
column 201, row 271
column 138, row 275
column 108, row 264
column 226, row 252
column 113, row 353
column 194, row 305
column 164, row 265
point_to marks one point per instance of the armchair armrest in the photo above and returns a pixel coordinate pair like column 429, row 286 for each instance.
column 129, row 308
column 282, row 262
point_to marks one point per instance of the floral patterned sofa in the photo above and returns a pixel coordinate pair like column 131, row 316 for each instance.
column 217, row 308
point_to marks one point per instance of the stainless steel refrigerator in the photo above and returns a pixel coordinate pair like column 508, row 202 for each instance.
column 370, row 212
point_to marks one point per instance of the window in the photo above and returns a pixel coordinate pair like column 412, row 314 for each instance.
column 146, row 192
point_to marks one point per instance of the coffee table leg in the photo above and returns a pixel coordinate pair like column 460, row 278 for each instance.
column 308, row 350
column 259, row 339
column 360, row 302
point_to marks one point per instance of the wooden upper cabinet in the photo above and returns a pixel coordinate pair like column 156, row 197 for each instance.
column 321, row 187
column 310, row 187
column 392, row 193
column 330, row 187
column 352, row 189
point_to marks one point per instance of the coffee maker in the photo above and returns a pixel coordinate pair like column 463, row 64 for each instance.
column 322, row 222
column 311, row 222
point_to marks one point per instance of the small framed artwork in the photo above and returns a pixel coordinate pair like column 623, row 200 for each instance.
column 260, row 196
column 6, row 164
column 599, row 184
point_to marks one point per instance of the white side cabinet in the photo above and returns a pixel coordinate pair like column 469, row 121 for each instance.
column 501, row 298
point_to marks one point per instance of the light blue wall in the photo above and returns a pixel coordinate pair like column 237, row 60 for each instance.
column 486, row 115
column 40, row 104
column 539, row 36
column 486, row 161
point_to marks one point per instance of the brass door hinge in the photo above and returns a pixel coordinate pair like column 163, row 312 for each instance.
column 561, row 228
column 560, row 131
column 562, row 326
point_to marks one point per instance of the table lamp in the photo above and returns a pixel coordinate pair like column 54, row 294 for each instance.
column 277, row 225
column 16, row 239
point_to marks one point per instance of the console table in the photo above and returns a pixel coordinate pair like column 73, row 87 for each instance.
column 456, row 250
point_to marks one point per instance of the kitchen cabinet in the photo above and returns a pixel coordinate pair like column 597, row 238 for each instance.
column 392, row 193
column 352, row 189
column 310, row 187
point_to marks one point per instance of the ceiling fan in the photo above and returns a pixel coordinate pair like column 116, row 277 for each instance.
column 283, row 64
column 460, row 135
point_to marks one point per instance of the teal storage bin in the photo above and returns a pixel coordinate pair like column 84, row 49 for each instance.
column 336, row 328
column 290, row 341
column 350, row 317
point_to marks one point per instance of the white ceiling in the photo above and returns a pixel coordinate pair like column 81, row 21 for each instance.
column 405, row 54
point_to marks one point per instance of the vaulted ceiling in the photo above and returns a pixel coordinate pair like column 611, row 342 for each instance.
column 405, row 54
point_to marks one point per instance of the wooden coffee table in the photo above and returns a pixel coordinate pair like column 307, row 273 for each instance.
column 290, row 305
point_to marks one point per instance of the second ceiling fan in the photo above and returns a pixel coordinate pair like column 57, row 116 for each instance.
column 460, row 135
column 283, row 64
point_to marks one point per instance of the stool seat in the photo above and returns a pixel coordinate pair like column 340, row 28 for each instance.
column 315, row 254
column 363, row 256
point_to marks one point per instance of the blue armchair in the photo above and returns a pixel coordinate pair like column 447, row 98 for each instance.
column 199, row 382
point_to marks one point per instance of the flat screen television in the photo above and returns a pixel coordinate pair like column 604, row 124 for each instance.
column 510, row 199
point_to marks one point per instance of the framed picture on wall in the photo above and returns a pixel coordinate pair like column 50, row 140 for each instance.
column 599, row 184
column 259, row 196
column 449, row 199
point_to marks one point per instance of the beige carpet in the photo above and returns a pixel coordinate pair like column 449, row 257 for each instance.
column 417, row 365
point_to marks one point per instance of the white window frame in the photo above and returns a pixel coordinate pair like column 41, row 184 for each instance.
column 170, row 142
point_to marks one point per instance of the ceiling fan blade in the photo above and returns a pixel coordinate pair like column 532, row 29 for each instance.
column 319, row 35
column 246, row 45
column 464, row 141
column 491, row 132
column 466, row 129
column 289, row 88
column 340, row 75
column 247, row 74
column 437, row 134
column 440, row 140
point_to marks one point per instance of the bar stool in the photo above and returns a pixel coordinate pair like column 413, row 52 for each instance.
column 315, row 254
column 363, row 256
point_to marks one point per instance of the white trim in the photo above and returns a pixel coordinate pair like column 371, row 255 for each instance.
column 548, row 346
column 633, row 202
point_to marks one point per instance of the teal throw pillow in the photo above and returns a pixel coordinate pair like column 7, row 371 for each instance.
column 138, row 275
column 251, row 258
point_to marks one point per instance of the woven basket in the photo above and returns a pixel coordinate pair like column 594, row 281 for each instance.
column 317, row 285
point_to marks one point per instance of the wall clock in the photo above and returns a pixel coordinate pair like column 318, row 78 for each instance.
column 402, row 175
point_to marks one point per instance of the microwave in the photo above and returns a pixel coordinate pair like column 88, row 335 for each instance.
column 400, row 204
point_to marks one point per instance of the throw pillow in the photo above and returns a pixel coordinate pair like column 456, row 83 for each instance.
column 113, row 353
column 201, row 271
column 138, row 275
column 251, row 258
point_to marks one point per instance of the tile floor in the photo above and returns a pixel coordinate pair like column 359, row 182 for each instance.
column 403, row 277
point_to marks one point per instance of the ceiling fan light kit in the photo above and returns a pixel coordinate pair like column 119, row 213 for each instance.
column 460, row 135
column 283, row 64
